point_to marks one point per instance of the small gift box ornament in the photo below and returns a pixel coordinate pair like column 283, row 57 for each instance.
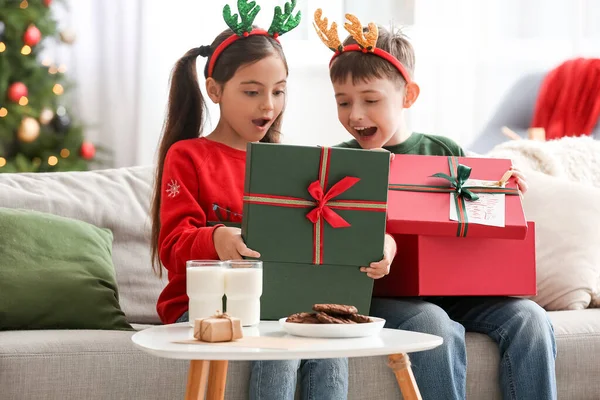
column 218, row 328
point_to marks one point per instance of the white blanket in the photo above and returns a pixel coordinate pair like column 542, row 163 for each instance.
column 574, row 158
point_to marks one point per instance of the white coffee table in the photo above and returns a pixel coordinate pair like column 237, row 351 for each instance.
column 208, row 362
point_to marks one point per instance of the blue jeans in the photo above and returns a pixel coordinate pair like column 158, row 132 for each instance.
column 520, row 327
column 325, row 379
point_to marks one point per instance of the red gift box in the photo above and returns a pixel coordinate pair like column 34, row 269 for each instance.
column 440, row 257
column 454, row 266
column 419, row 203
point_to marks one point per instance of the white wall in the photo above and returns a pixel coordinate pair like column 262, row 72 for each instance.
column 469, row 53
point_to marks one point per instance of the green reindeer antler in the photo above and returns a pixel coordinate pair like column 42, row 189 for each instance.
column 284, row 22
column 248, row 11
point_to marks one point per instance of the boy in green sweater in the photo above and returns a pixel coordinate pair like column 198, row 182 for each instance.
column 371, row 73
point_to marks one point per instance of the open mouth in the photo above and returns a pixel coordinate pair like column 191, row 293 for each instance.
column 366, row 131
column 261, row 122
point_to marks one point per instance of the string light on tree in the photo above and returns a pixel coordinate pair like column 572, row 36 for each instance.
column 2, row 162
column 64, row 153
column 58, row 89
column 23, row 101
column 52, row 161
column 26, row 50
column 3, row 112
column 29, row 130
column 2, row 47
column 24, row 4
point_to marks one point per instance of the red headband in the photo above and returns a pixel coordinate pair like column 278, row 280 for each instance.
column 378, row 52
column 366, row 40
column 231, row 39
column 283, row 22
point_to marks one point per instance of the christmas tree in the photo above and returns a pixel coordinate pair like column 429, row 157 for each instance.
column 37, row 131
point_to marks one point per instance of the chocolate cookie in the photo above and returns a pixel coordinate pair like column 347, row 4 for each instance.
column 335, row 309
column 360, row 319
column 331, row 319
column 303, row 318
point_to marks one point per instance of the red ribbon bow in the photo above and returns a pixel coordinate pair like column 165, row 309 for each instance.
column 322, row 209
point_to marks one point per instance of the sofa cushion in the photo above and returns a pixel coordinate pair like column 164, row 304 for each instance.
column 116, row 199
column 567, row 216
column 57, row 273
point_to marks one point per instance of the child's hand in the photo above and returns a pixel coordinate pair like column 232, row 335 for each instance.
column 381, row 268
column 230, row 245
column 521, row 180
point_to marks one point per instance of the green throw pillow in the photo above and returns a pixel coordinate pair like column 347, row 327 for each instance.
column 56, row 273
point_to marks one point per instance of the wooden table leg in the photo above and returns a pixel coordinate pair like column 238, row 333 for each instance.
column 217, row 379
column 400, row 364
column 197, row 378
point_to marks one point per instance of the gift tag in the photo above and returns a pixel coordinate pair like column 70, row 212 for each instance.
column 488, row 210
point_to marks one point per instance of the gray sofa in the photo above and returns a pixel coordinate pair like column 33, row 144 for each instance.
column 101, row 365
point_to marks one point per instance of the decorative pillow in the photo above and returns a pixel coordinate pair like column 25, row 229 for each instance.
column 56, row 273
column 567, row 216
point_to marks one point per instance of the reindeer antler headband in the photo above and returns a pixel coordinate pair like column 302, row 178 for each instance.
column 283, row 22
column 367, row 41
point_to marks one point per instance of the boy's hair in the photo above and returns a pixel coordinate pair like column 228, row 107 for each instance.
column 187, row 107
column 363, row 67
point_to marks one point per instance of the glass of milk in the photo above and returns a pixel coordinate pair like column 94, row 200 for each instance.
column 205, row 285
column 243, row 288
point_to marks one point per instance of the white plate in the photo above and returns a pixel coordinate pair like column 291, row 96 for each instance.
column 333, row 330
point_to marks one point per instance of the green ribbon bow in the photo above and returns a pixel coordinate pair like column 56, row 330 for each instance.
column 458, row 181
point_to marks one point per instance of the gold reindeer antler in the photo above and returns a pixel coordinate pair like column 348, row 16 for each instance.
column 329, row 36
column 366, row 40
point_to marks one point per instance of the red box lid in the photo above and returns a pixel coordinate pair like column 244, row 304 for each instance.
column 423, row 213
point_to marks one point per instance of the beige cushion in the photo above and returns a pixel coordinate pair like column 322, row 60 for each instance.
column 116, row 199
column 567, row 216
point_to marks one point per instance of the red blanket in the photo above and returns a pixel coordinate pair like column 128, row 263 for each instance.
column 568, row 103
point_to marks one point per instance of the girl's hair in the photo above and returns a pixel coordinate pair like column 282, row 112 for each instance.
column 187, row 108
column 363, row 68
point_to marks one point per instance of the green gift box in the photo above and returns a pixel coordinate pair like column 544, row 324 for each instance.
column 316, row 215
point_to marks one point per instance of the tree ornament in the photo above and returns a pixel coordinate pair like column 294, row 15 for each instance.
column 67, row 36
column 61, row 123
column 16, row 91
column 29, row 130
column 87, row 151
column 32, row 36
